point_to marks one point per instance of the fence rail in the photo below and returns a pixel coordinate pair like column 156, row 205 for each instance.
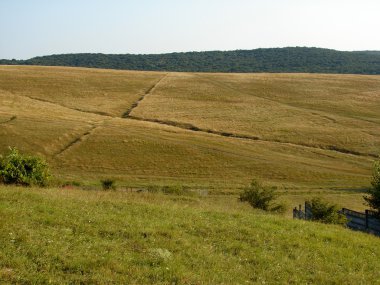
column 365, row 222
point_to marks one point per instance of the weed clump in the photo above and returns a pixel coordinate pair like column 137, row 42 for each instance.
column 19, row 169
column 262, row 197
column 108, row 184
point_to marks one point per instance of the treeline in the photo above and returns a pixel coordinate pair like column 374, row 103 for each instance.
column 292, row 59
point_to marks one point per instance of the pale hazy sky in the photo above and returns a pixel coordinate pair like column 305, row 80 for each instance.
column 40, row 27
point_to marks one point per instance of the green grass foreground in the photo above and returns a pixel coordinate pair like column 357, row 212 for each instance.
column 69, row 236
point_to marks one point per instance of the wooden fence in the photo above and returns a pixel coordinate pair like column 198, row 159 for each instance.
column 302, row 215
column 365, row 222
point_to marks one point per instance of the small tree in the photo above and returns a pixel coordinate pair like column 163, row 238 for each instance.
column 261, row 197
column 19, row 169
column 373, row 200
column 325, row 212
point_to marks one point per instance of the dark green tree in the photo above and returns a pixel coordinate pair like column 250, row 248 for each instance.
column 373, row 198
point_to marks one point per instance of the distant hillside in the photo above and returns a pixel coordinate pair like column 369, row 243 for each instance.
column 207, row 130
column 292, row 59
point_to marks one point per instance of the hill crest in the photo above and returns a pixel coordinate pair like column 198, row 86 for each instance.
column 276, row 60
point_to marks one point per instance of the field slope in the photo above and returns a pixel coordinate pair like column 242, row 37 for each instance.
column 59, row 236
column 304, row 133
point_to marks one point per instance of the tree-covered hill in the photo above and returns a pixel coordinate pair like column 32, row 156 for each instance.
column 291, row 59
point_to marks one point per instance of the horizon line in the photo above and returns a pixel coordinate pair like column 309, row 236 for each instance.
column 194, row 51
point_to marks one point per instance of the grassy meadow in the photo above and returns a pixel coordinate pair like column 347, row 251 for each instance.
column 70, row 236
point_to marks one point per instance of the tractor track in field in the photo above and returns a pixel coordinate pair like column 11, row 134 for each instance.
column 150, row 90
column 77, row 140
column 314, row 112
column 9, row 120
column 66, row 107
column 189, row 127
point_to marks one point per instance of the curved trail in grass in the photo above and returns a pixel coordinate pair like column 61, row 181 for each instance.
column 9, row 120
column 147, row 92
column 314, row 112
column 190, row 127
column 64, row 106
column 76, row 140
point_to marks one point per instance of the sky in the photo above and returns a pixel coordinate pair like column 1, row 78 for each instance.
column 31, row 28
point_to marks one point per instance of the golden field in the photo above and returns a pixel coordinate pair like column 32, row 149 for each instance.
column 306, row 133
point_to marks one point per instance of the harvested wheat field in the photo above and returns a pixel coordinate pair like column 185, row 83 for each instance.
column 305, row 133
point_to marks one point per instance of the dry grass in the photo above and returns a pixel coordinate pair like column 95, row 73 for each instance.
column 318, row 110
column 93, row 90
column 145, row 151
column 72, row 117
column 87, row 147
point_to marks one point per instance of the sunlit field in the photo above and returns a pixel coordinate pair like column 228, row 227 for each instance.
column 61, row 236
column 303, row 133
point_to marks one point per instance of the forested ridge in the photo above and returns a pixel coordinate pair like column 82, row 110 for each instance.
column 290, row 59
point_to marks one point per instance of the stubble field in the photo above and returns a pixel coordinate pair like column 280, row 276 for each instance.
column 304, row 133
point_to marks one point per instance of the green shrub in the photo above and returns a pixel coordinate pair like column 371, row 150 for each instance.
column 261, row 197
column 19, row 169
column 325, row 212
column 373, row 200
column 108, row 184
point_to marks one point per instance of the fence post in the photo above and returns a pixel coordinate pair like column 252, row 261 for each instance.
column 306, row 207
column 366, row 219
column 295, row 213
